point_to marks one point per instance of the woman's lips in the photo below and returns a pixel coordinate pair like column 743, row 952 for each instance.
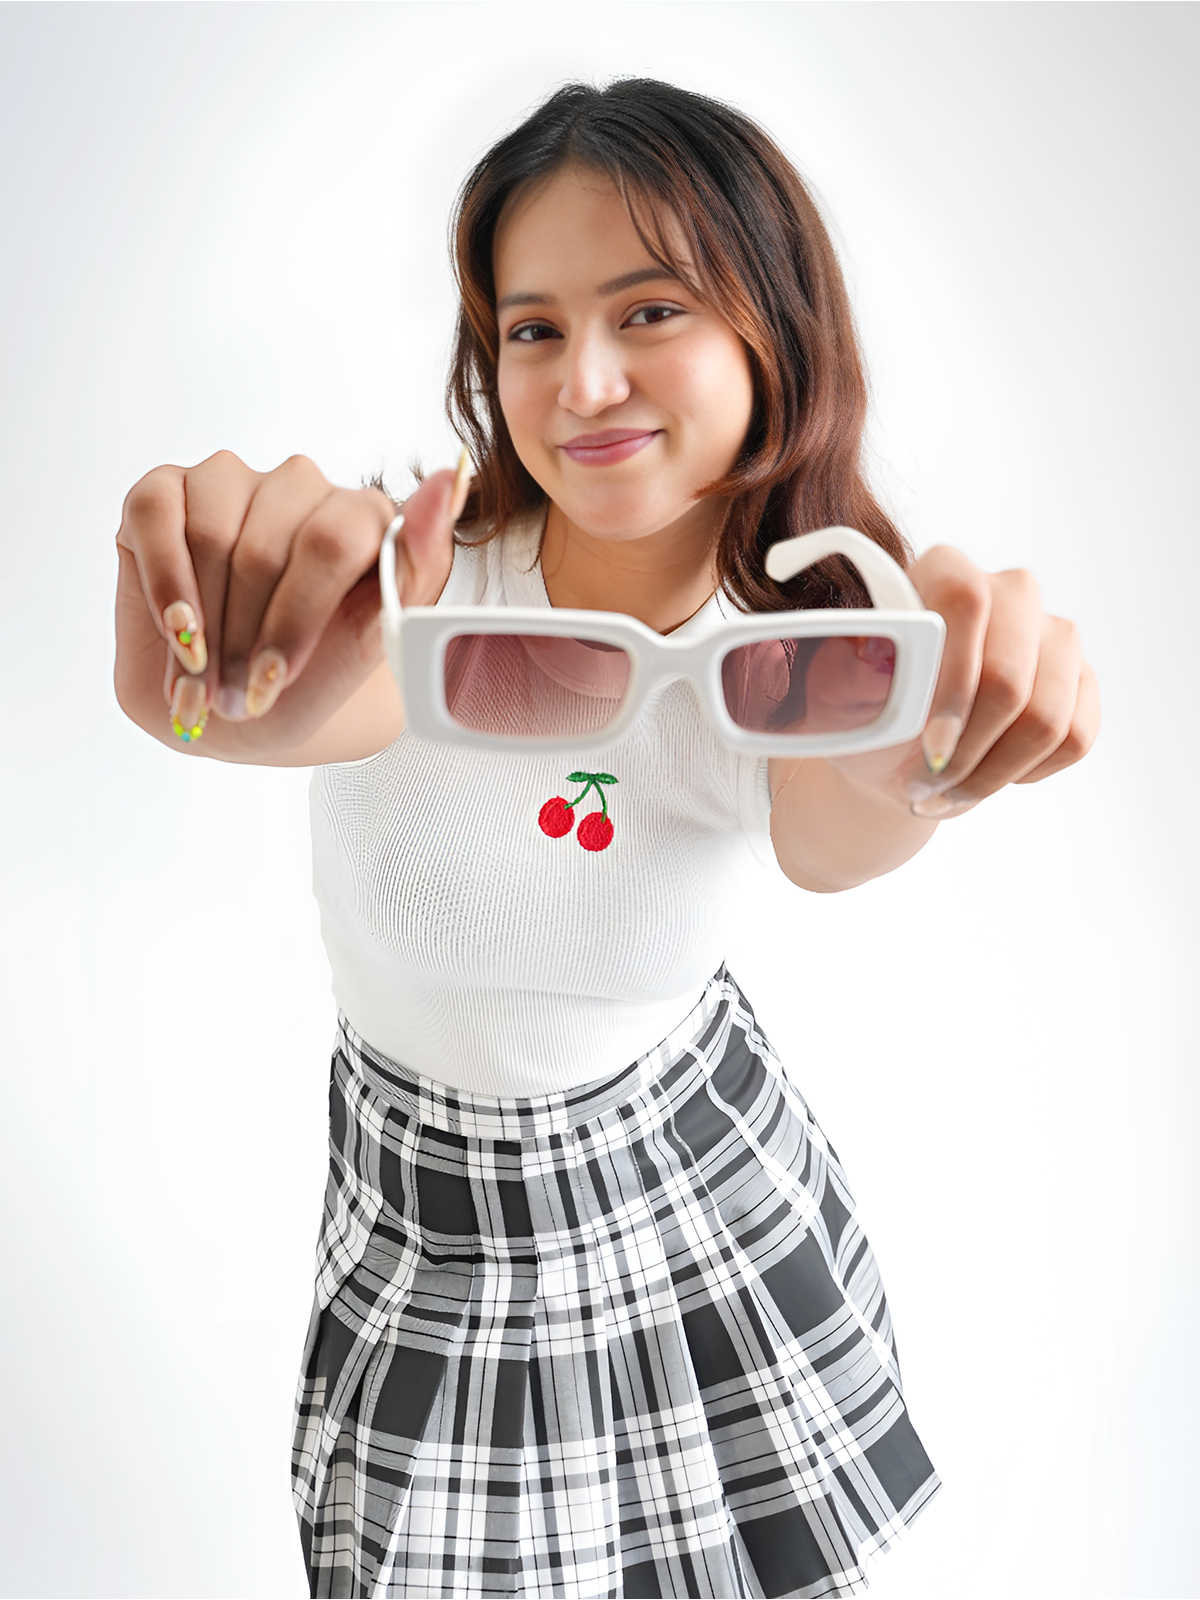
column 607, row 448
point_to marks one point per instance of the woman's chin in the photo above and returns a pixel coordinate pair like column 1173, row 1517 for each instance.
column 618, row 516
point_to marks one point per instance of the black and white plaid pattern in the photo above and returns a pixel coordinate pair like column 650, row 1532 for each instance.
column 623, row 1341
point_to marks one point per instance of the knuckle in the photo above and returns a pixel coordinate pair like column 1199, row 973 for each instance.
column 1075, row 744
column 223, row 461
column 377, row 499
column 1066, row 633
column 1045, row 730
column 1002, row 690
column 255, row 564
column 963, row 592
column 206, row 538
column 323, row 543
column 1022, row 583
column 302, row 469
column 155, row 495
column 332, row 541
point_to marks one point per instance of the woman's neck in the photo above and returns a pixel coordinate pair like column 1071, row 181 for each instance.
column 662, row 579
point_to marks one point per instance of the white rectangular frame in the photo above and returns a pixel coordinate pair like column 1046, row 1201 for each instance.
column 417, row 638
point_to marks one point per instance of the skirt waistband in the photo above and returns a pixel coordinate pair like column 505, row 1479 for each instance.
column 687, row 1049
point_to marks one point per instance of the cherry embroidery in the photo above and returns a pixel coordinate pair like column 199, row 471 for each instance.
column 595, row 831
column 557, row 816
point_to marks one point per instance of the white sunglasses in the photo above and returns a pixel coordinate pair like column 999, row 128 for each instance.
column 784, row 683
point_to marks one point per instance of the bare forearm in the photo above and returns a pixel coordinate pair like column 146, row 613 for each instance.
column 831, row 833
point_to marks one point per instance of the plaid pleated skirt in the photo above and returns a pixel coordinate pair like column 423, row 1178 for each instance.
column 626, row 1340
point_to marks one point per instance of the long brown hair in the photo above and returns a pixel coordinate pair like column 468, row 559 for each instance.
column 704, row 183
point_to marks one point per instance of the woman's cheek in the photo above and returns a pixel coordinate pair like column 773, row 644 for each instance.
column 508, row 391
column 728, row 405
column 518, row 406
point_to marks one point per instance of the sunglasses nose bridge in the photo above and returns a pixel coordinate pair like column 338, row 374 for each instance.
column 684, row 658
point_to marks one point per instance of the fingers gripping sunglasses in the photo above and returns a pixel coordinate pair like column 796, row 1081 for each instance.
column 785, row 683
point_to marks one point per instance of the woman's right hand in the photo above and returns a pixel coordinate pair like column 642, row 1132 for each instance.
column 248, row 607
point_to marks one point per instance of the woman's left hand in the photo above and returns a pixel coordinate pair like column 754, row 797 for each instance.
column 1015, row 701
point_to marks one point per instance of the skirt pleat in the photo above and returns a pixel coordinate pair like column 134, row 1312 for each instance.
column 628, row 1340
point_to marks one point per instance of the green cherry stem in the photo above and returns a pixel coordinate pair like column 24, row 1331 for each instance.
column 595, row 780
column 591, row 784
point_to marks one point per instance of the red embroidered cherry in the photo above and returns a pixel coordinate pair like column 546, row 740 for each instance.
column 556, row 817
column 595, row 831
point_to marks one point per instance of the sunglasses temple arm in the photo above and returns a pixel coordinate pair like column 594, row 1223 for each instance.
column 886, row 582
column 387, row 576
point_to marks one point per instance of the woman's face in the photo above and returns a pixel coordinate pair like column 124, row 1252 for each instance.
column 624, row 394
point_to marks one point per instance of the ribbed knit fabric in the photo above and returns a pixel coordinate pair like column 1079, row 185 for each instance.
column 475, row 949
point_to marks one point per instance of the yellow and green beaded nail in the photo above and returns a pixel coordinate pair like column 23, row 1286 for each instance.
column 188, row 735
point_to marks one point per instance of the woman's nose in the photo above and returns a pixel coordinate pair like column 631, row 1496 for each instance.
column 595, row 376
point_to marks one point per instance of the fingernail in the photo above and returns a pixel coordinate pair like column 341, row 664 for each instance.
column 916, row 790
column 940, row 805
column 268, row 673
column 926, row 788
column 940, row 740
column 187, row 636
column 462, row 485
column 230, row 702
column 189, row 712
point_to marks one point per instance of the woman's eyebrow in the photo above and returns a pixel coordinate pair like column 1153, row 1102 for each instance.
column 630, row 280
column 627, row 280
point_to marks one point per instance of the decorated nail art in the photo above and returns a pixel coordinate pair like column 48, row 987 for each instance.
column 189, row 735
column 189, row 709
column 268, row 672
column 940, row 740
column 186, row 635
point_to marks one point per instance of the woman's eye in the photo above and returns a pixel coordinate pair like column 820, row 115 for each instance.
column 533, row 332
column 646, row 316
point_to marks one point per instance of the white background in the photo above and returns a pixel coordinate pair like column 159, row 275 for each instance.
column 224, row 226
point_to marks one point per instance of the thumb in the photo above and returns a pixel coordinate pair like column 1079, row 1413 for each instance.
column 425, row 546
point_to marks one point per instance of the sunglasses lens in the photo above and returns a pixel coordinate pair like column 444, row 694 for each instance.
column 531, row 686
column 808, row 685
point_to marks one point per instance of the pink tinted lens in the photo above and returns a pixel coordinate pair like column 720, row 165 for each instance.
column 523, row 686
column 808, row 685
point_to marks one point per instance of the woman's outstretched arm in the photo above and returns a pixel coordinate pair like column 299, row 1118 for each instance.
column 1015, row 702
column 248, row 608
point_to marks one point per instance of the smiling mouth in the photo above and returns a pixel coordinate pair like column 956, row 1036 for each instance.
column 607, row 448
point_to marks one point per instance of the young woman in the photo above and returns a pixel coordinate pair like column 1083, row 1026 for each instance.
column 594, row 1316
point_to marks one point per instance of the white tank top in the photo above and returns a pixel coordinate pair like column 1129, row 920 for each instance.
column 476, row 948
